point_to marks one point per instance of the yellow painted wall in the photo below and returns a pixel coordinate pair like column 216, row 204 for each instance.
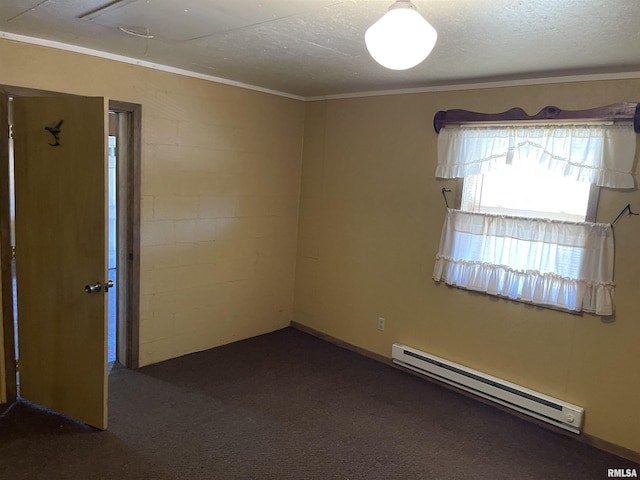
column 220, row 188
column 371, row 214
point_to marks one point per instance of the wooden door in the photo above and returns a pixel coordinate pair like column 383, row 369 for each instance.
column 61, row 248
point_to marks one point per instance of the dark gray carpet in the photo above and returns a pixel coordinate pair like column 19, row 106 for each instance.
column 288, row 406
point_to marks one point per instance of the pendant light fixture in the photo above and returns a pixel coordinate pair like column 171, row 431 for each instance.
column 402, row 38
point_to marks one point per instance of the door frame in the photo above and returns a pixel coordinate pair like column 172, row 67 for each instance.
column 128, row 207
column 129, row 202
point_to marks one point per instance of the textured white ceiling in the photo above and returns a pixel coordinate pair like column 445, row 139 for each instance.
column 313, row 48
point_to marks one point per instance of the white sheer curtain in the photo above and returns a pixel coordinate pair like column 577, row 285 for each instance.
column 547, row 262
column 598, row 154
column 559, row 264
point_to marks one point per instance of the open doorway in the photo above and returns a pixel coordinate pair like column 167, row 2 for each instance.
column 112, row 229
column 125, row 126
column 113, row 155
column 124, row 204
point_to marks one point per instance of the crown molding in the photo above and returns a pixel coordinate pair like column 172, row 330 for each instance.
column 141, row 63
column 374, row 93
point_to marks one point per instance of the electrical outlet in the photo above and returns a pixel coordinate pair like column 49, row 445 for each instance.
column 381, row 324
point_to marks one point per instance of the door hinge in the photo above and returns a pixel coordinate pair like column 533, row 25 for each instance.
column 13, row 252
column 17, row 366
column 11, row 131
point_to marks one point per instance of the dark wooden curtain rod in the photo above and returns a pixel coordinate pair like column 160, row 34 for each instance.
column 615, row 112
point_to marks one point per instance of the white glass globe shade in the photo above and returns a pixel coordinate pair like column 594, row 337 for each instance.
column 401, row 39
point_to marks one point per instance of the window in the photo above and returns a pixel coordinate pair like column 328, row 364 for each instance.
column 521, row 231
column 529, row 192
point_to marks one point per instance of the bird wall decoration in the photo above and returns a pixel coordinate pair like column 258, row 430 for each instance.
column 55, row 131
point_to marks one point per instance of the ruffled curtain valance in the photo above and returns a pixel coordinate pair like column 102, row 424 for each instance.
column 601, row 154
column 564, row 265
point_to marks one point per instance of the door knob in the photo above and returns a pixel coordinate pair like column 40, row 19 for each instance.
column 108, row 285
column 95, row 288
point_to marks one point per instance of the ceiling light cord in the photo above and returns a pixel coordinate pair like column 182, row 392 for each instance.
column 136, row 34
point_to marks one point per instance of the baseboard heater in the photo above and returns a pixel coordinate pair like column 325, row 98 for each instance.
column 529, row 402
